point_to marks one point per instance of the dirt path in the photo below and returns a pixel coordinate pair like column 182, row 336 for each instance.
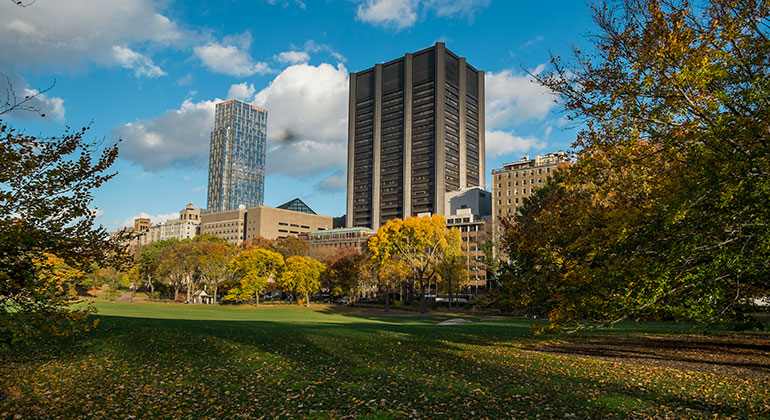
column 739, row 355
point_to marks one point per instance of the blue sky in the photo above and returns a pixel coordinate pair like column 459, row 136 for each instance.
column 150, row 72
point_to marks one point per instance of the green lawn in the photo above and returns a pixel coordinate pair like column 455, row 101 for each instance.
column 183, row 361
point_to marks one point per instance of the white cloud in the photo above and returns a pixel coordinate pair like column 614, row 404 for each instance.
column 97, row 213
column 515, row 98
column 243, row 91
column 70, row 34
column 391, row 13
column 500, row 142
column 179, row 137
column 532, row 42
column 154, row 219
column 454, row 8
column 132, row 60
column 307, row 119
column 337, row 181
column 231, row 57
column 307, row 125
column 401, row 14
column 293, row 57
column 39, row 103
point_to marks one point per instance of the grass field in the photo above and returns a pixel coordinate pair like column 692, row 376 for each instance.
column 148, row 361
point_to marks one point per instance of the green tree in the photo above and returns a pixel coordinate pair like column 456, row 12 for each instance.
column 302, row 276
column 149, row 260
column 255, row 268
column 46, row 186
column 453, row 274
column 421, row 242
column 213, row 262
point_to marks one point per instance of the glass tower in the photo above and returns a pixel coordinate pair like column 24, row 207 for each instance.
column 237, row 156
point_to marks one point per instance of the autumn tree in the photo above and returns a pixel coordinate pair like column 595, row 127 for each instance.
column 422, row 242
column 346, row 272
column 302, row 276
column 46, row 190
column 254, row 268
column 665, row 212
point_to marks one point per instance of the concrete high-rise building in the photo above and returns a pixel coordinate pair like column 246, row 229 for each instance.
column 415, row 132
column 237, row 157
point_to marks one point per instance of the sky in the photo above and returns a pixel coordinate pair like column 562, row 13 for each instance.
column 149, row 72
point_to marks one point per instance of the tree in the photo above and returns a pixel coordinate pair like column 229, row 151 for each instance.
column 149, row 260
column 665, row 212
column 421, row 242
column 46, row 186
column 213, row 262
column 255, row 268
column 346, row 272
column 302, row 276
column 453, row 274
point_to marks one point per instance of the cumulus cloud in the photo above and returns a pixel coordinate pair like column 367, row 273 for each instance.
column 392, row 13
column 401, row 14
column 70, row 34
column 35, row 102
column 140, row 64
column 499, row 142
column 179, row 137
column 293, row 57
column 243, row 91
column 154, row 218
column 515, row 98
column 307, row 119
column 337, row 181
column 231, row 57
column 307, row 125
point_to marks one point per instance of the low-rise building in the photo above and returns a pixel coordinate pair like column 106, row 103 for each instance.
column 474, row 231
column 292, row 218
column 326, row 242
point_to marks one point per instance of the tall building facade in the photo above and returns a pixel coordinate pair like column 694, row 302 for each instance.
column 516, row 181
column 415, row 132
column 237, row 156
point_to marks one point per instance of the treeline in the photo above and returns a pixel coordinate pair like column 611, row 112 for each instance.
column 410, row 256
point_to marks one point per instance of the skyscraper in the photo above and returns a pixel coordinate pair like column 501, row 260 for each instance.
column 415, row 132
column 237, row 157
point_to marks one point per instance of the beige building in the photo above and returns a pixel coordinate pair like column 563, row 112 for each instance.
column 474, row 231
column 326, row 242
column 237, row 226
column 517, row 181
column 187, row 226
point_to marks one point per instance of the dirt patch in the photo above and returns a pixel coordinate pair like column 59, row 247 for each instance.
column 739, row 355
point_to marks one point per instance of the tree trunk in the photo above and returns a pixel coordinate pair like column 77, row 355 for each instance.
column 215, row 293
column 256, row 296
column 422, row 297
column 307, row 299
column 152, row 290
column 387, row 297
column 176, row 293
column 450, row 295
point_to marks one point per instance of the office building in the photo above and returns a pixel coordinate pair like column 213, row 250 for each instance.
column 415, row 132
column 237, row 156
column 186, row 226
column 326, row 242
column 516, row 181
column 243, row 224
column 475, row 231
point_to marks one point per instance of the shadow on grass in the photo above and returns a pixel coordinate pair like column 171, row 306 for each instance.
column 418, row 369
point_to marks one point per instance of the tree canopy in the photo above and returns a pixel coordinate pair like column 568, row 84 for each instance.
column 665, row 212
